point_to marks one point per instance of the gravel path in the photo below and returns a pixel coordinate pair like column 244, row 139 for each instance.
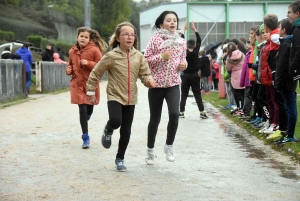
column 41, row 157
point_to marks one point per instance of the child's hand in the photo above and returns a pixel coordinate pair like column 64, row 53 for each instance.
column 92, row 99
column 69, row 71
column 83, row 62
column 185, row 27
column 181, row 66
column 166, row 55
column 152, row 84
column 193, row 27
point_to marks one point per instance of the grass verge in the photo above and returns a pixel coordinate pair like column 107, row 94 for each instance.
column 290, row 149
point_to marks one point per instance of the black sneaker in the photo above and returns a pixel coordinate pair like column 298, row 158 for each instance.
column 181, row 114
column 203, row 115
column 106, row 139
column 285, row 140
column 120, row 165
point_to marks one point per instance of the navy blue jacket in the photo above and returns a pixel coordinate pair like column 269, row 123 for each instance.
column 295, row 53
column 283, row 79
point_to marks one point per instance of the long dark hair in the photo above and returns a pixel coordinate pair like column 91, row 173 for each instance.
column 231, row 46
column 240, row 45
column 160, row 20
column 95, row 37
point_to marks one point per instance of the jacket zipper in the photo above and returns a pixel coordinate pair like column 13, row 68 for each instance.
column 128, row 83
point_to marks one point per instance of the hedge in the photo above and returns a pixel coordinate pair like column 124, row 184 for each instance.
column 7, row 35
column 35, row 40
column 39, row 41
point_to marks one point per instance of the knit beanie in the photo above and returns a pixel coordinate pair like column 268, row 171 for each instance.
column 262, row 27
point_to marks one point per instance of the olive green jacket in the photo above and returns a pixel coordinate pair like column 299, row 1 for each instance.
column 123, row 69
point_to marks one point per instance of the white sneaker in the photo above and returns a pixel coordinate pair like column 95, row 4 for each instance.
column 265, row 127
column 150, row 156
column 169, row 152
column 270, row 129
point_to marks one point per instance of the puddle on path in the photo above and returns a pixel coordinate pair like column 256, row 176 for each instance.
column 237, row 136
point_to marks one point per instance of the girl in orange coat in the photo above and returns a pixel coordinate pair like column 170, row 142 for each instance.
column 83, row 56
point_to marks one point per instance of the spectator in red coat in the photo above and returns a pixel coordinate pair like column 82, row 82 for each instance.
column 215, row 79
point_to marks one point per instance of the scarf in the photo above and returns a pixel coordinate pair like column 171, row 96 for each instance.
column 170, row 38
column 296, row 22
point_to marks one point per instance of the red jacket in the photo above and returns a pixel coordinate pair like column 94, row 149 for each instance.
column 216, row 67
column 265, row 72
column 80, row 73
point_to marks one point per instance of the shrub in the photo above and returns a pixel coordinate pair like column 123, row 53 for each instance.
column 36, row 40
column 7, row 35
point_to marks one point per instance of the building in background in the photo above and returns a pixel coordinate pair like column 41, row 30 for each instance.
column 214, row 21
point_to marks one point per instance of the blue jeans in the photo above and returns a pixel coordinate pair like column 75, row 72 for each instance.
column 28, row 81
column 290, row 99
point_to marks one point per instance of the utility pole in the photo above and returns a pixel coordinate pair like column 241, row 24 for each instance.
column 87, row 18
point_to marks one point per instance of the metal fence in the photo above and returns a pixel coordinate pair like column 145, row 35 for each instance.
column 12, row 83
column 49, row 77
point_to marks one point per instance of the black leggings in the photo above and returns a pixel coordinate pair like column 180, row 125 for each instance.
column 120, row 115
column 190, row 80
column 261, row 98
column 84, row 111
column 239, row 97
column 156, row 98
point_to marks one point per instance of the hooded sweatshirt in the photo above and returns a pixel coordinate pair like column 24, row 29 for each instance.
column 26, row 56
column 57, row 59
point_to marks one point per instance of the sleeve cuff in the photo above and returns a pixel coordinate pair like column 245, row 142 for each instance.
column 90, row 93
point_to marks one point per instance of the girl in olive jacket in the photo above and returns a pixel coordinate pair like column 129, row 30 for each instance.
column 124, row 65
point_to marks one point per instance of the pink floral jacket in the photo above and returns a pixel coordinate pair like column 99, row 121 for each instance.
column 166, row 73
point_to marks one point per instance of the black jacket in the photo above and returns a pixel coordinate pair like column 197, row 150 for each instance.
column 295, row 53
column 47, row 55
column 192, row 57
column 9, row 55
column 283, row 80
column 204, row 66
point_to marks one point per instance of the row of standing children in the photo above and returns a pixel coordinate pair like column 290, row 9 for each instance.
column 268, row 76
column 158, row 70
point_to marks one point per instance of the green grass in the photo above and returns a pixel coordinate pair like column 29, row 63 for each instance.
column 291, row 149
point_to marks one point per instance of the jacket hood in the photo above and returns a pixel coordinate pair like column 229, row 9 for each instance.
column 55, row 56
column 288, row 38
column 261, row 44
column 236, row 57
column 23, row 50
column 88, row 46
